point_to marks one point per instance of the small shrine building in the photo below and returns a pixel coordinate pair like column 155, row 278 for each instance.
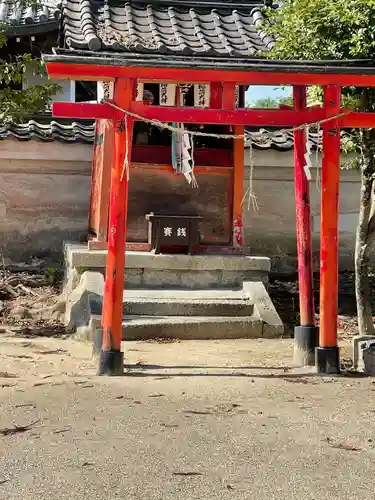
column 166, row 63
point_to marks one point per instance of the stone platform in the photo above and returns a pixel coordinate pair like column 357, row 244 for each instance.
column 182, row 296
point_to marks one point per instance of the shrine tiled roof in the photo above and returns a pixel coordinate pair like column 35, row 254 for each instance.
column 184, row 34
column 52, row 131
column 174, row 27
column 24, row 18
column 84, row 133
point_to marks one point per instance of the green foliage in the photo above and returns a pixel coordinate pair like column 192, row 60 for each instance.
column 271, row 102
column 14, row 103
column 318, row 30
column 52, row 275
column 321, row 30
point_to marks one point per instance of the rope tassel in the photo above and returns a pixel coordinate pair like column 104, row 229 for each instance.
column 249, row 193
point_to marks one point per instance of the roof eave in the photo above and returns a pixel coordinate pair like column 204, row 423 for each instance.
column 31, row 29
column 250, row 64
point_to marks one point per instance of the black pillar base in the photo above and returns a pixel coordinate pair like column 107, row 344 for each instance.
column 306, row 339
column 111, row 363
column 328, row 360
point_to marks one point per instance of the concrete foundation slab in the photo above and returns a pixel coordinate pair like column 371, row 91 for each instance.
column 147, row 270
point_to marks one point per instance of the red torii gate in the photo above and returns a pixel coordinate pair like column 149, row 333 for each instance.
column 332, row 78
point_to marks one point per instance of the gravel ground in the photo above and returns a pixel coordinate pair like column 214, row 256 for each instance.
column 190, row 420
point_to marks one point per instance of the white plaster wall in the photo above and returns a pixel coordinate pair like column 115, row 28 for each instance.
column 272, row 230
column 67, row 92
column 44, row 197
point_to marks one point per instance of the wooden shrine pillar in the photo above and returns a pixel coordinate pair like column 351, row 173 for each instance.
column 238, row 179
column 111, row 358
column 229, row 102
column 101, row 181
column 327, row 355
column 305, row 335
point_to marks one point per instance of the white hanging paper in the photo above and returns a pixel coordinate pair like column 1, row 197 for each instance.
column 186, row 141
column 202, row 96
column 307, row 172
column 139, row 91
column 237, row 96
column 167, row 94
column 104, row 91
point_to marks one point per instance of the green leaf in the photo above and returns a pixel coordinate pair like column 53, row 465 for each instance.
column 324, row 30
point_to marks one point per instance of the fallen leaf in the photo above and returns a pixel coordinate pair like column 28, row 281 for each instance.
column 60, row 431
column 196, row 412
column 186, row 474
column 297, row 380
column 10, row 431
column 20, row 356
column 342, row 446
column 346, row 447
column 52, row 351
column 8, row 375
column 83, row 383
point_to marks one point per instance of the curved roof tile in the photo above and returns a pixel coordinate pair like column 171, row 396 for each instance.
column 52, row 131
column 24, row 18
column 84, row 133
column 228, row 28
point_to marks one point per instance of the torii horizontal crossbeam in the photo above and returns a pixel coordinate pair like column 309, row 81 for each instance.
column 249, row 117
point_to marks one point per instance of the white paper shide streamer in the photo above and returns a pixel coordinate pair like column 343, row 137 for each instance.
column 308, row 164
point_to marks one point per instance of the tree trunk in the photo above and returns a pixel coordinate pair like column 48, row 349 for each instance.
column 365, row 233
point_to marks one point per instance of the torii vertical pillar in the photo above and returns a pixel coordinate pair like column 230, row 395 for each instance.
column 327, row 354
column 111, row 360
column 306, row 335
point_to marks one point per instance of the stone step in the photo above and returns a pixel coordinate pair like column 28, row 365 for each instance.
column 185, row 293
column 187, row 307
column 181, row 307
column 185, row 314
column 187, row 328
